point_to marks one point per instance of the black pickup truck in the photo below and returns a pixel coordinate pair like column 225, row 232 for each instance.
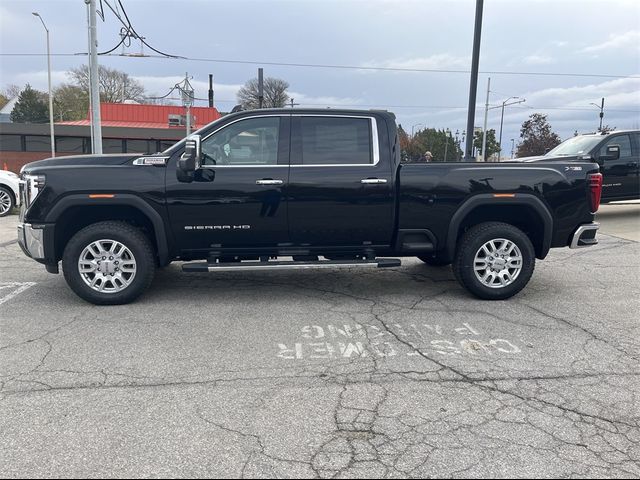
column 274, row 189
column 617, row 153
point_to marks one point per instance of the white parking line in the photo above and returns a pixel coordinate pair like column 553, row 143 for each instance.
column 13, row 289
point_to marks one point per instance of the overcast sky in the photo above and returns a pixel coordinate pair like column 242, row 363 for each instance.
column 598, row 38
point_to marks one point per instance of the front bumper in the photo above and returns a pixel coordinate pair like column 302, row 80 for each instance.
column 585, row 236
column 31, row 240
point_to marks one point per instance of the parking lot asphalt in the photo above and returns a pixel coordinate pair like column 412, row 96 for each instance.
column 345, row 373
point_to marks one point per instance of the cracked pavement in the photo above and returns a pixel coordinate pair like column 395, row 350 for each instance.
column 331, row 374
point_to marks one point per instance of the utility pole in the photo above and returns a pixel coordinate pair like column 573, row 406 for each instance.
column 210, row 91
column 94, row 89
column 53, row 138
column 260, row 88
column 484, row 129
column 473, row 86
column 512, row 146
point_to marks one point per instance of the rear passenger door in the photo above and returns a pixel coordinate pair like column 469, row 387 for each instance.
column 340, row 192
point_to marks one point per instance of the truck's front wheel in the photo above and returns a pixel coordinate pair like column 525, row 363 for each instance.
column 494, row 260
column 108, row 263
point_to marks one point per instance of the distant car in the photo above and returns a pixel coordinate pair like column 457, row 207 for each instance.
column 617, row 153
column 9, row 194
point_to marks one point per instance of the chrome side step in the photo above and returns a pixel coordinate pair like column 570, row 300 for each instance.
column 277, row 265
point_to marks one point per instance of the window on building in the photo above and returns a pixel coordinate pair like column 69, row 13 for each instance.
column 70, row 144
column 112, row 145
column 10, row 143
column 165, row 144
column 140, row 146
column 38, row 143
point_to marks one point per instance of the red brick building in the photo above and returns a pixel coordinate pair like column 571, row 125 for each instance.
column 126, row 127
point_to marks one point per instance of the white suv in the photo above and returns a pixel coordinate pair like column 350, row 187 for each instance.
column 9, row 192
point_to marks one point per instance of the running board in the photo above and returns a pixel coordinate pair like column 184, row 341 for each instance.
column 230, row 267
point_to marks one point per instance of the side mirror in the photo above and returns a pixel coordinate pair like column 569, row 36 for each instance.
column 189, row 161
column 613, row 152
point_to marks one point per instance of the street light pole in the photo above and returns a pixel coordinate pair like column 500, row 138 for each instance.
column 53, row 138
column 446, row 143
column 504, row 104
column 413, row 126
column 601, row 107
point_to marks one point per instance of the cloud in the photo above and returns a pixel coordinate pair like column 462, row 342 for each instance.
column 536, row 59
column 630, row 39
column 622, row 93
column 323, row 101
column 38, row 80
column 438, row 61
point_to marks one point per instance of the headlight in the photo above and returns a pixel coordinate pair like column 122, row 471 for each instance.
column 30, row 187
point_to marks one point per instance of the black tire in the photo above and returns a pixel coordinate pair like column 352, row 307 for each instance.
column 471, row 243
column 434, row 260
column 6, row 195
column 129, row 236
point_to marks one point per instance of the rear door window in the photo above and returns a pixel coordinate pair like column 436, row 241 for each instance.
column 336, row 141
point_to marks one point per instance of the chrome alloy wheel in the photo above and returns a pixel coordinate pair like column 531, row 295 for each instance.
column 107, row 266
column 5, row 202
column 498, row 263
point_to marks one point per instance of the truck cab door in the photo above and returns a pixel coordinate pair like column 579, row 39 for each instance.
column 341, row 185
column 236, row 199
column 621, row 174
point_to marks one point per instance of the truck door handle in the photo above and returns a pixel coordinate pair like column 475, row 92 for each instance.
column 373, row 181
column 269, row 181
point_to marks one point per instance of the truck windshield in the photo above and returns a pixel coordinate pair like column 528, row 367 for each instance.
column 580, row 145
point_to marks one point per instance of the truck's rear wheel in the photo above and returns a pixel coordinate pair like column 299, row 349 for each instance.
column 494, row 260
column 108, row 263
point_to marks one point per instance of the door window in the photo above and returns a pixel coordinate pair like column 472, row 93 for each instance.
column 336, row 141
column 623, row 141
column 250, row 142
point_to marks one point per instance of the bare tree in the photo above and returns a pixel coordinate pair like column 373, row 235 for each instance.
column 11, row 91
column 115, row 85
column 275, row 94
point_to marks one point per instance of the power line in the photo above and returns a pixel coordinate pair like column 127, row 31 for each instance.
column 130, row 31
column 339, row 67
column 142, row 39
column 426, row 107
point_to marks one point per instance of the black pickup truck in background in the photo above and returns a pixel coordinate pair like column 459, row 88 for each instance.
column 258, row 186
column 617, row 153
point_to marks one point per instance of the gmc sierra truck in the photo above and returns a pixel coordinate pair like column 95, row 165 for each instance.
column 275, row 189
column 617, row 153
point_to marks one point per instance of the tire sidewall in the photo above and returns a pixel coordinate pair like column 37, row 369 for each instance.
column 12, row 201
column 466, row 256
column 132, row 238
